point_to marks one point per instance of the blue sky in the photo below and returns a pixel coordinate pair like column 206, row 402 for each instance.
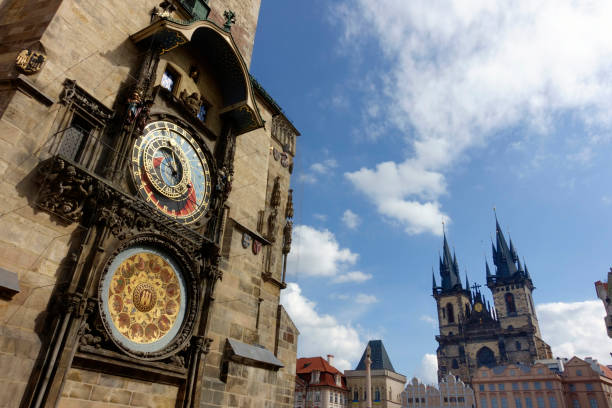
column 414, row 113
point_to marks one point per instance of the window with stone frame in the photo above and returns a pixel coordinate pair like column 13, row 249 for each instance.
column 170, row 79
column 81, row 126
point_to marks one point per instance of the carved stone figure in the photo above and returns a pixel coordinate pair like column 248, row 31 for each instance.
column 289, row 207
column 144, row 115
column 272, row 225
column 194, row 73
column 287, row 231
column 230, row 19
column 191, row 102
column 275, row 199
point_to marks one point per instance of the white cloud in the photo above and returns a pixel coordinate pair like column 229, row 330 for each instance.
column 321, row 334
column 364, row 299
column 354, row 276
column 458, row 73
column 317, row 253
column 575, row 329
column 350, row 219
column 428, row 370
column 320, row 217
column 429, row 320
column 307, row 178
column 324, row 167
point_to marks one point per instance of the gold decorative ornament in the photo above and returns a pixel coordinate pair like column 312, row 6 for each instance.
column 144, row 297
column 30, row 62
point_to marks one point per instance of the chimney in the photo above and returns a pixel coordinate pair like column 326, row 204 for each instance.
column 330, row 359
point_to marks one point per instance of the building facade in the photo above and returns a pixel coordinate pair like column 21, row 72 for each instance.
column 474, row 333
column 576, row 383
column 450, row 392
column 147, row 210
column 318, row 384
column 386, row 384
column 604, row 292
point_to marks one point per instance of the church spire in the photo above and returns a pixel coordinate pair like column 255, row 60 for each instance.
column 449, row 268
column 502, row 255
column 433, row 277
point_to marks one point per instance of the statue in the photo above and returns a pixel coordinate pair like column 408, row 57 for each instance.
column 134, row 106
column 191, row 102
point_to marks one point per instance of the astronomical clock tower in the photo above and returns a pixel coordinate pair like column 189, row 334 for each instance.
column 147, row 212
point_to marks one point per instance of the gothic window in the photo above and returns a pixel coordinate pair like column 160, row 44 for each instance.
column 510, row 305
column 377, row 395
column 450, row 313
column 355, row 396
column 485, row 357
column 455, row 364
column 444, row 313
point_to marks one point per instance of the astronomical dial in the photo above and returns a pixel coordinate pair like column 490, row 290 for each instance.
column 171, row 171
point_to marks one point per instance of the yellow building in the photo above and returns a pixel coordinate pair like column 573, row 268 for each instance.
column 386, row 384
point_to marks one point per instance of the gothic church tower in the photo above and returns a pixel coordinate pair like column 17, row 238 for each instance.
column 472, row 332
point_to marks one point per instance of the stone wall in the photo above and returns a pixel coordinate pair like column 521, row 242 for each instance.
column 247, row 14
column 88, row 389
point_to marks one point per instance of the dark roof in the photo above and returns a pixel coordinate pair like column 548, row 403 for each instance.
column 380, row 358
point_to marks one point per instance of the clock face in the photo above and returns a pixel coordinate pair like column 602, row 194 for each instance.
column 143, row 299
column 478, row 307
column 171, row 172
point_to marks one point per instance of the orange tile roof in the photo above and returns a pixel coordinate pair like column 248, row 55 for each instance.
column 606, row 371
column 309, row 364
column 305, row 366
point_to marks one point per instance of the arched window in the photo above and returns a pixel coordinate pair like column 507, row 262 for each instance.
column 377, row 395
column 449, row 313
column 510, row 305
column 355, row 396
column 455, row 364
column 485, row 357
column 443, row 313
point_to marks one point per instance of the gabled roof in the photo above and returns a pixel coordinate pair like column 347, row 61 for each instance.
column 327, row 377
column 380, row 358
column 310, row 364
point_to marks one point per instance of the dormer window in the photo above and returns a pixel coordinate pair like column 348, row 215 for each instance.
column 316, row 377
column 338, row 383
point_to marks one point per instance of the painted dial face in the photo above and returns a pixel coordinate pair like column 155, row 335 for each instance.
column 143, row 299
column 478, row 307
column 171, row 172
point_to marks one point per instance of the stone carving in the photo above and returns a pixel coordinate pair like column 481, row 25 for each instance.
column 289, row 207
column 230, row 19
column 64, row 192
column 30, row 62
column 73, row 93
column 287, row 231
column 273, row 225
column 273, row 216
column 191, row 101
column 275, row 199
column 283, row 131
column 144, row 116
column 194, row 73
column 276, row 154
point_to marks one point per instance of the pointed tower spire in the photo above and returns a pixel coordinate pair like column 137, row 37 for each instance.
column 520, row 267
column 502, row 256
column 433, row 276
column 515, row 257
column 489, row 276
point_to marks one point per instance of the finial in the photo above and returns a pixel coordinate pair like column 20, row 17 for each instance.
column 444, row 229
